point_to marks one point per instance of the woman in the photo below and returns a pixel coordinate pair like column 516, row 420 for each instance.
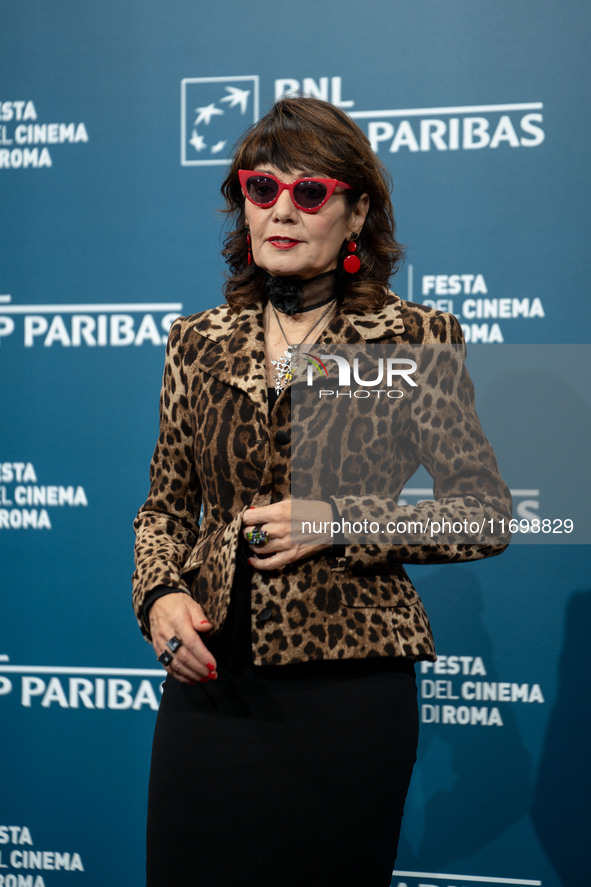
column 287, row 730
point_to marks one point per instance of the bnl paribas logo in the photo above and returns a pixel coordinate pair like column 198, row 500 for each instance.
column 375, row 378
column 214, row 111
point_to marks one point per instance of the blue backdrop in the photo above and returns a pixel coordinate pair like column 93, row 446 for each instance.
column 116, row 120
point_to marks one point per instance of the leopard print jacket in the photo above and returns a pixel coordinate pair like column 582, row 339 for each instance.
column 220, row 452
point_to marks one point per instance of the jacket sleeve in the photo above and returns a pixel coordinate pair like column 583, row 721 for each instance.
column 167, row 524
column 447, row 438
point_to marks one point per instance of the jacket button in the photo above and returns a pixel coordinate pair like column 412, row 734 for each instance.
column 282, row 437
column 265, row 614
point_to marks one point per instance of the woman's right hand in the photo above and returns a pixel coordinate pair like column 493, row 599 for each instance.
column 176, row 615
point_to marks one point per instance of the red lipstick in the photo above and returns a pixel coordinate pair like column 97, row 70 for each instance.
column 283, row 242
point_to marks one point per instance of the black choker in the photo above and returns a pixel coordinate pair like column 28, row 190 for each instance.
column 291, row 295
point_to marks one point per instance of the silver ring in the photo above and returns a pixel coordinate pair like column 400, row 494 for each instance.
column 174, row 644
column 165, row 658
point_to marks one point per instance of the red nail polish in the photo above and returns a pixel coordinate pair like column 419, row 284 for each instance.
column 205, row 622
column 210, row 666
column 203, row 680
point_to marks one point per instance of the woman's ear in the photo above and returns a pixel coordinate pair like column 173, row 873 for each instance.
column 359, row 213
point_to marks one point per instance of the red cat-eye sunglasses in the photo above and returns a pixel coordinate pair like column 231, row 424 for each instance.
column 307, row 194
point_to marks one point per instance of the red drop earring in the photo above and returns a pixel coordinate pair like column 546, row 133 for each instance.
column 249, row 256
column 351, row 262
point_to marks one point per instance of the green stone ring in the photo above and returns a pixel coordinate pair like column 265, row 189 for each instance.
column 257, row 536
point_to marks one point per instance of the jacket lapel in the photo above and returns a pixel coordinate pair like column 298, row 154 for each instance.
column 372, row 326
column 234, row 353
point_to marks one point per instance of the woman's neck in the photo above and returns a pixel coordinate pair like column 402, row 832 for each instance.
column 295, row 298
column 286, row 332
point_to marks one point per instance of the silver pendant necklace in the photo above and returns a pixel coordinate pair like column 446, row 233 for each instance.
column 286, row 366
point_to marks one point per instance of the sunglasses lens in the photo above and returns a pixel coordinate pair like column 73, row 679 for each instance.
column 261, row 189
column 309, row 195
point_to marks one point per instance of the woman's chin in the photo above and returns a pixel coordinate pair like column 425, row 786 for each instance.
column 290, row 269
column 281, row 267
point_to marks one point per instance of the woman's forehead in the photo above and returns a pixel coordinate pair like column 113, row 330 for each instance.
column 289, row 174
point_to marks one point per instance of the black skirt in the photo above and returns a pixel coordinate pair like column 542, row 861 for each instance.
column 280, row 776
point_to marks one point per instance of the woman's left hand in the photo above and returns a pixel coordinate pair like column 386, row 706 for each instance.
column 282, row 522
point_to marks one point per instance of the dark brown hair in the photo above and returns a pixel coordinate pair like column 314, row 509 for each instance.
column 294, row 131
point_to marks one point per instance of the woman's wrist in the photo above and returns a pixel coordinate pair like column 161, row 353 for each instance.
column 151, row 598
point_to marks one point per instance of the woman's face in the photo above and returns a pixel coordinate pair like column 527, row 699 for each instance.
column 288, row 241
